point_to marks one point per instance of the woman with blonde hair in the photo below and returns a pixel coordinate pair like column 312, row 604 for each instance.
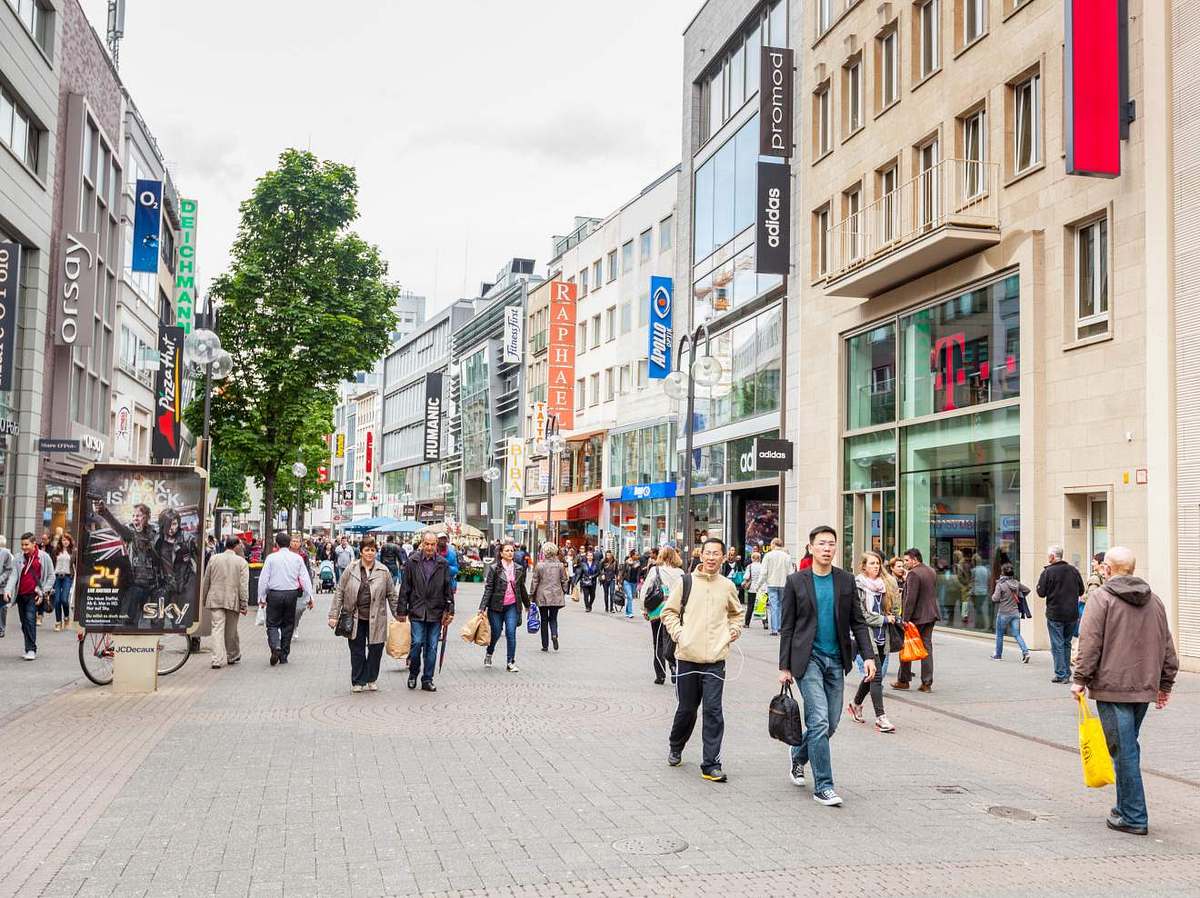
column 547, row 589
column 879, row 599
column 656, row 588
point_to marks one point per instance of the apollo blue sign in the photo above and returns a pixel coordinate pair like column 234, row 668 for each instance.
column 146, row 222
column 661, row 332
column 662, row 490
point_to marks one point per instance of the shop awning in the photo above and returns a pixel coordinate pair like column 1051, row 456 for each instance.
column 585, row 435
column 566, row 507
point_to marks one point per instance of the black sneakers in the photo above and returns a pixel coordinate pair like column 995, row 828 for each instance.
column 716, row 775
column 796, row 774
column 674, row 758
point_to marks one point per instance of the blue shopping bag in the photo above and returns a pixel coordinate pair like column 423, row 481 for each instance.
column 534, row 623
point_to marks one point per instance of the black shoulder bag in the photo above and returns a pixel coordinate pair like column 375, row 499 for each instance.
column 654, row 594
column 687, row 591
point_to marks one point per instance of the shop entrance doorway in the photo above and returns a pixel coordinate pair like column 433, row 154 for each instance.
column 755, row 518
column 871, row 522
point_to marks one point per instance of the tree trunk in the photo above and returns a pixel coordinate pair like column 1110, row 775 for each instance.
column 268, row 521
column 300, row 516
column 287, row 519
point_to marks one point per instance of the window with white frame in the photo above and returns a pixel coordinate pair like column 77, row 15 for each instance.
column 928, row 156
column 822, row 132
column 889, row 70
column 666, row 235
column 824, row 15
column 580, row 389
column 594, row 385
column 627, row 257
column 889, row 204
column 854, row 96
column 821, row 240
column 612, row 266
column 610, row 322
column 645, row 244
column 852, row 206
column 597, row 273
column 929, row 33
column 583, row 282
column 974, row 153
column 581, row 342
column 610, row 384
column 1027, row 124
column 1091, row 279
column 974, row 20
column 623, row 383
column 595, row 331
column 643, row 374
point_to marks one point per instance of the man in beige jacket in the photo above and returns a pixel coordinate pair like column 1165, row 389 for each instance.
column 703, row 617
column 224, row 591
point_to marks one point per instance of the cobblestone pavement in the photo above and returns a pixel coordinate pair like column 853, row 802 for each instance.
column 260, row 781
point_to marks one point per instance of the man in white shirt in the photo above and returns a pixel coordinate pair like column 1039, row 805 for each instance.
column 283, row 579
column 776, row 567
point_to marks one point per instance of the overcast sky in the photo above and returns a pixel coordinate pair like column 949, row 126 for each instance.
column 478, row 128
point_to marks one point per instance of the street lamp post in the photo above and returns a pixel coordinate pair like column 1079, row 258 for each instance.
column 202, row 350
column 554, row 445
column 705, row 370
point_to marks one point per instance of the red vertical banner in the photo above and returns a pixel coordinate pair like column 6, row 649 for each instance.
column 560, row 375
column 1094, row 59
column 370, row 450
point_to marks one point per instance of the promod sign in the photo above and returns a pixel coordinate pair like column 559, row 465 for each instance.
column 662, row 335
column 775, row 103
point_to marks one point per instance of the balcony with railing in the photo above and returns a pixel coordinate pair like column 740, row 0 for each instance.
column 948, row 211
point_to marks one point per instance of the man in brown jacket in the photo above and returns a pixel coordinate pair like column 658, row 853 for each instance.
column 224, row 591
column 921, row 609
column 1126, row 660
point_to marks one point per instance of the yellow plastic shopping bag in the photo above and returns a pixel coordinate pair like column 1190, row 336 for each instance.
column 1093, row 749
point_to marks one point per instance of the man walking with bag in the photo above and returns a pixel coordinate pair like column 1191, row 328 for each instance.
column 820, row 611
column 283, row 580
column 1126, row 660
column 703, row 618
column 427, row 599
column 224, row 591
column 920, row 610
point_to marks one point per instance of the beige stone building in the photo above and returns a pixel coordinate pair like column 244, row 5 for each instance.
column 982, row 353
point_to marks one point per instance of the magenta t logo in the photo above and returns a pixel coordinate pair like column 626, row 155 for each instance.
column 949, row 367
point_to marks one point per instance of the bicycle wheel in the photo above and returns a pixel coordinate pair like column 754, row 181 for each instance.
column 173, row 651
column 96, row 657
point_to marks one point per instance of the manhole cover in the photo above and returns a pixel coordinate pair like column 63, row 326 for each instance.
column 951, row 790
column 1011, row 813
column 650, row 845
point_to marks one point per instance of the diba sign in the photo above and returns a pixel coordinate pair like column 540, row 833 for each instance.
column 77, row 293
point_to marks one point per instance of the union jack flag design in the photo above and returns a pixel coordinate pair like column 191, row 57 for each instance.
column 106, row 544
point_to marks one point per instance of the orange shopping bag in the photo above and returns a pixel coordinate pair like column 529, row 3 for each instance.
column 914, row 649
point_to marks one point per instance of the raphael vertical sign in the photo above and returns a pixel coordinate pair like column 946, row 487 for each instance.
column 185, row 266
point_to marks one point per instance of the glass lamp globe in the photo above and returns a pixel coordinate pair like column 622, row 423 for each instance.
column 555, row 444
column 444, row 487
column 222, row 365
column 491, row 474
column 675, row 386
column 707, row 370
column 201, row 346
column 299, row 469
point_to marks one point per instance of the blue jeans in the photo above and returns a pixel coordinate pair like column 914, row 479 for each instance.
column 62, row 596
column 1060, row 646
column 774, row 607
column 425, row 636
column 630, row 596
column 1122, row 721
column 508, row 618
column 821, row 689
column 1005, row 623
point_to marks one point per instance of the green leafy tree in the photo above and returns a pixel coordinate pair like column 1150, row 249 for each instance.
column 229, row 480
column 305, row 305
column 313, row 451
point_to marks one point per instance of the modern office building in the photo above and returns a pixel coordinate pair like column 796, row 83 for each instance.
column 30, row 68
column 615, row 482
column 487, row 398
column 410, row 482
column 717, row 283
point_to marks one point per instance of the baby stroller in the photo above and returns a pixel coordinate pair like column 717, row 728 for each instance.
column 326, row 575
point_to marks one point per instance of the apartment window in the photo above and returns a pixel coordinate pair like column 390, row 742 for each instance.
column 623, row 385
column 645, row 244
column 822, row 138
column 889, row 205
column 929, row 193
column 581, row 340
column 597, row 273
column 610, row 322
column 733, row 76
column 626, row 317
column 583, row 282
column 974, row 152
column 821, row 240
column 580, row 388
column 824, row 15
column 643, row 374
column 19, row 132
column 610, row 384
column 852, row 96
column 627, row 257
column 612, row 266
column 594, row 385
column 37, row 19
column 1027, row 128
column 666, row 237
column 929, row 30
column 595, row 331
column 1091, row 279
column 852, row 207
column 974, row 20
column 887, row 68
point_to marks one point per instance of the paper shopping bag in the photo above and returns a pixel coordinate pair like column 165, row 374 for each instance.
column 399, row 639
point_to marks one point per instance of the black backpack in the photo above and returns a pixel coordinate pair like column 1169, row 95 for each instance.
column 687, row 591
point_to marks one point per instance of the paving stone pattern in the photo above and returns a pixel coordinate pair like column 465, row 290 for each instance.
column 260, row 781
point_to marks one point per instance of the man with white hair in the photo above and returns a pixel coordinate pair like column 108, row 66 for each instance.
column 1126, row 660
column 1061, row 586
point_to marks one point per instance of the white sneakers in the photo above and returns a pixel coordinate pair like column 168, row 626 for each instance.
column 30, row 656
column 512, row 668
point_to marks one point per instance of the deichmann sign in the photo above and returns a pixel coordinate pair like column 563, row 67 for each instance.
column 772, row 455
column 512, row 335
column 10, row 280
column 662, row 334
column 773, row 230
column 168, row 394
column 147, row 219
column 561, row 354
column 432, row 428
column 185, row 265
column 1094, row 62
column 77, row 291
column 775, row 103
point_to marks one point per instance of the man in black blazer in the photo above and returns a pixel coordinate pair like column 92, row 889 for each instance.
column 820, row 614
column 426, row 598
